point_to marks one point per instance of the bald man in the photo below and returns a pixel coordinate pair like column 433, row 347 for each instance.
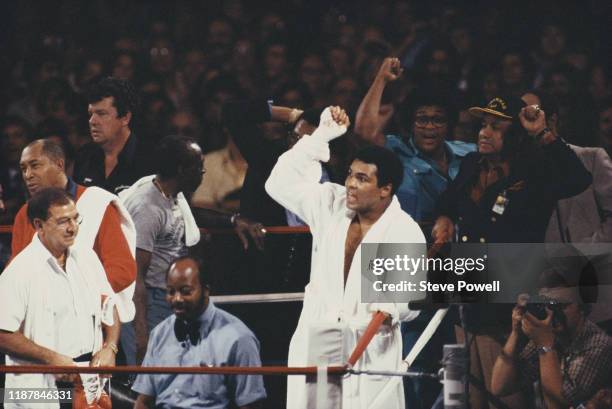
column 198, row 333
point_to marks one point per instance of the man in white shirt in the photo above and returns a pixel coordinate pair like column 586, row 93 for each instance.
column 58, row 307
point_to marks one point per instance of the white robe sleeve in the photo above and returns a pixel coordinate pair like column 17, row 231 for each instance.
column 294, row 181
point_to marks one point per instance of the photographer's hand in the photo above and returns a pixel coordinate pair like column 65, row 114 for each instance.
column 539, row 331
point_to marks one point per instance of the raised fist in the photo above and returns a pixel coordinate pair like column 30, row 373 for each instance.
column 390, row 69
column 332, row 124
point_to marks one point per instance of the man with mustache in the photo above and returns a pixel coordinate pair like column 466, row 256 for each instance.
column 341, row 218
column 198, row 333
column 57, row 305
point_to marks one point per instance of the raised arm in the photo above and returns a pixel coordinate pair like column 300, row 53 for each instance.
column 368, row 123
column 564, row 175
column 294, row 181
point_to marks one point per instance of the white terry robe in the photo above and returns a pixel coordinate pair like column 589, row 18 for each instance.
column 294, row 183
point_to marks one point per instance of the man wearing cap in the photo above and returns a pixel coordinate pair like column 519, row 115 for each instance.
column 505, row 193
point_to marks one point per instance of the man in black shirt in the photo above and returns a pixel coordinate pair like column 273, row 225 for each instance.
column 116, row 157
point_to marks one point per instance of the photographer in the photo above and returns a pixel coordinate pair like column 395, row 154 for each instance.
column 568, row 354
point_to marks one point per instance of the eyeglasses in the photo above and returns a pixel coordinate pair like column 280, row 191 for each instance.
column 67, row 221
column 437, row 121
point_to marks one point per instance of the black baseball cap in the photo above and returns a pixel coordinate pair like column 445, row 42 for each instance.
column 506, row 107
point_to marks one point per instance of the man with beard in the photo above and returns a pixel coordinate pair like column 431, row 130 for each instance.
column 198, row 333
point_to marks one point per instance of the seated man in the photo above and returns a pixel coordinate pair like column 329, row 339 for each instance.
column 55, row 300
column 567, row 353
column 198, row 334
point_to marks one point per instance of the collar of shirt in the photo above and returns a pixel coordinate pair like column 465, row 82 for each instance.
column 45, row 254
column 71, row 188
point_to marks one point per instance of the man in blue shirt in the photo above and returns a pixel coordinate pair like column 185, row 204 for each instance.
column 197, row 334
column 430, row 162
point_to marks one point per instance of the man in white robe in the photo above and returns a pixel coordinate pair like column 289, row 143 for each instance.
column 365, row 210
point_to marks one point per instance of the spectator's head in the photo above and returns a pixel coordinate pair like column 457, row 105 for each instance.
column 560, row 82
column 194, row 64
column 161, row 55
column 179, row 159
column 16, row 133
column 294, row 95
column 55, row 217
column 372, row 180
column 314, row 73
column 271, row 24
column 124, row 65
column 515, row 69
column 112, row 104
column 345, row 93
column 500, row 133
column 56, row 99
column 438, row 62
column 220, row 38
column 187, row 288
column 184, row 123
column 275, row 58
column 429, row 112
column 552, row 40
column 341, row 61
column 461, row 38
column 43, row 165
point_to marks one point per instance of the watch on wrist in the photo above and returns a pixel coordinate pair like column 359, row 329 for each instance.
column 544, row 349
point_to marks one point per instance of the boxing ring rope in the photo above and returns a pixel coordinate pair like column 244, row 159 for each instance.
column 321, row 372
column 7, row 228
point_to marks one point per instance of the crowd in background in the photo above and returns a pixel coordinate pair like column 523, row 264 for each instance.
column 187, row 59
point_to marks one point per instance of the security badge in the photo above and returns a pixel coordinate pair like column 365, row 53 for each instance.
column 500, row 204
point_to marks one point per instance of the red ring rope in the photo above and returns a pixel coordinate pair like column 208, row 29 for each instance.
column 226, row 370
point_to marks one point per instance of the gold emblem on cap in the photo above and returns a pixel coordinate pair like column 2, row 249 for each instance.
column 498, row 102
